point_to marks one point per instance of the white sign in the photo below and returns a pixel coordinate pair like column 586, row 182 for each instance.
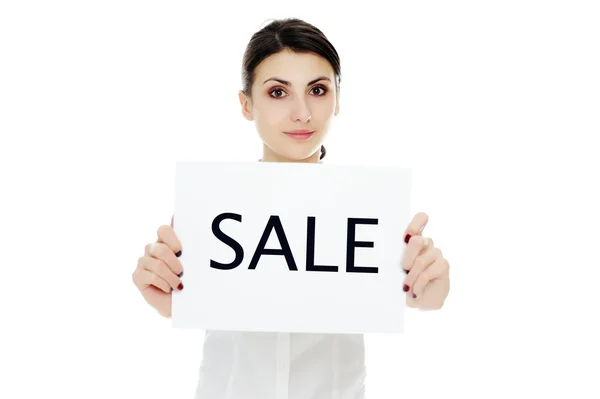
column 291, row 247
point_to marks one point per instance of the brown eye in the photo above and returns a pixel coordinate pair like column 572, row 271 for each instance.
column 278, row 91
column 324, row 90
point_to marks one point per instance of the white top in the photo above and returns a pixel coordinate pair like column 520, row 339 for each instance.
column 263, row 365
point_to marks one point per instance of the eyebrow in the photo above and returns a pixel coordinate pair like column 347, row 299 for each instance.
column 286, row 83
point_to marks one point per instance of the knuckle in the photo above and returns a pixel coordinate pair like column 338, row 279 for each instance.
column 161, row 250
column 441, row 264
column 161, row 230
column 162, row 268
column 165, row 232
column 150, row 263
column 445, row 270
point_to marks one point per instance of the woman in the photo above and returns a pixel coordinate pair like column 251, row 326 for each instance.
column 291, row 89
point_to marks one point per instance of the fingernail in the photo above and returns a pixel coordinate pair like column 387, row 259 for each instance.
column 405, row 271
column 180, row 286
column 406, row 288
column 414, row 295
column 180, row 274
column 407, row 238
column 178, row 254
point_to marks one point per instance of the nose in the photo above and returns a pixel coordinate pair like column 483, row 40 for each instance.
column 300, row 111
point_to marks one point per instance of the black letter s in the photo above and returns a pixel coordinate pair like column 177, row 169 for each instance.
column 239, row 251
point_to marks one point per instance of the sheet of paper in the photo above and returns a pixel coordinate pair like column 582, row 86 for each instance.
column 291, row 247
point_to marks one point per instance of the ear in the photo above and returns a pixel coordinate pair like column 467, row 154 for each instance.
column 246, row 106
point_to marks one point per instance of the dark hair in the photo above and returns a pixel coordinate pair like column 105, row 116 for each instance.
column 292, row 34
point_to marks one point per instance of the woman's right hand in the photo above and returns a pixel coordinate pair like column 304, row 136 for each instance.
column 159, row 271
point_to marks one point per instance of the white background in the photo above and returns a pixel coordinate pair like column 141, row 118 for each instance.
column 495, row 105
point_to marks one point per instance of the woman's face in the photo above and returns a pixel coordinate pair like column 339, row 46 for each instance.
column 293, row 93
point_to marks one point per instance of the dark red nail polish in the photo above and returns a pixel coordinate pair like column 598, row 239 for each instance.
column 180, row 286
column 405, row 271
column 180, row 274
column 406, row 288
column 407, row 238
column 414, row 295
column 178, row 254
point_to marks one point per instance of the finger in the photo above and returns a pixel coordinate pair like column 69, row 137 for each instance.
column 161, row 269
column 415, row 247
column 144, row 278
column 416, row 226
column 166, row 235
column 438, row 269
column 164, row 253
column 422, row 262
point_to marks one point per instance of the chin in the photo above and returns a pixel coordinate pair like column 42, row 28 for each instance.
column 293, row 149
column 297, row 154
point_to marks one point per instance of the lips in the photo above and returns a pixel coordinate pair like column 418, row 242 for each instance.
column 300, row 134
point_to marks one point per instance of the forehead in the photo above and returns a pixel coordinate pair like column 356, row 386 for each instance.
column 294, row 67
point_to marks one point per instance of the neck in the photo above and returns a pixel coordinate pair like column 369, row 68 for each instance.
column 270, row 156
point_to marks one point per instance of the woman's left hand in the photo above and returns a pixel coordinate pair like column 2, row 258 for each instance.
column 427, row 283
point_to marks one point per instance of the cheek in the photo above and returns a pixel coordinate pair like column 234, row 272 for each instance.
column 324, row 109
column 270, row 117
